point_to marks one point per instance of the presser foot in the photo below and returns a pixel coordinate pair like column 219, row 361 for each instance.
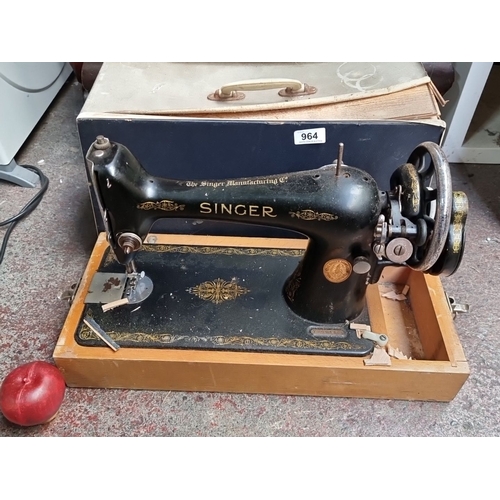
column 118, row 289
column 138, row 288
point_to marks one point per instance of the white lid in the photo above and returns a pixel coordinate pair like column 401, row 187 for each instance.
column 183, row 88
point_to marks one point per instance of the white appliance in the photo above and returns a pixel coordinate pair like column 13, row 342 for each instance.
column 26, row 91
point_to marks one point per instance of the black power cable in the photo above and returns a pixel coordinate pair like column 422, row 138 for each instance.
column 26, row 210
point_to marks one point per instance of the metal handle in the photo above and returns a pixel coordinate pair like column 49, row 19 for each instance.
column 230, row 91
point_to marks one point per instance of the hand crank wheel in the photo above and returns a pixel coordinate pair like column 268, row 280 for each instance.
column 434, row 204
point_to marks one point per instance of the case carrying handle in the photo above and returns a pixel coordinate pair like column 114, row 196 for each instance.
column 231, row 91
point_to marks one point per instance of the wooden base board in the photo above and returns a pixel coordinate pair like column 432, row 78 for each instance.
column 425, row 331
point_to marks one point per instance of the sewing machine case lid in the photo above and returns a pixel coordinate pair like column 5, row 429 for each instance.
column 173, row 89
column 160, row 111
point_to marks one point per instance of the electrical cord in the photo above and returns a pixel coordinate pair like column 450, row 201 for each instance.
column 26, row 210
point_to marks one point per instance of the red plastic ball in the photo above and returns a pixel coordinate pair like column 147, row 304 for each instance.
column 32, row 393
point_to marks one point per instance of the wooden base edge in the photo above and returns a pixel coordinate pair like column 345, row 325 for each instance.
column 265, row 373
column 405, row 379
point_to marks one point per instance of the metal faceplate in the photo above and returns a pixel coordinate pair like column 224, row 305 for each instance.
column 106, row 287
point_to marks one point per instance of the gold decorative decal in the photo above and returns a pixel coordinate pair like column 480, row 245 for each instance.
column 293, row 283
column 165, row 205
column 237, row 209
column 415, row 198
column 239, row 182
column 312, row 215
column 164, row 339
column 460, row 209
column 273, row 252
column 109, row 258
column 218, row 291
column 337, row 270
column 413, row 195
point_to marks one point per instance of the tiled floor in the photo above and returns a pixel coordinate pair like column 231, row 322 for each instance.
column 49, row 250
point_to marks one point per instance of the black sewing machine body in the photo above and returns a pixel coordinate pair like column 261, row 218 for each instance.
column 354, row 229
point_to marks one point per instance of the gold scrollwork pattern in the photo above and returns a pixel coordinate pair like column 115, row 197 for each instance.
column 165, row 339
column 461, row 208
column 293, row 283
column 274, row 252
column 165, row 205
column 218, row 291
column 204, row 250
column 415, row 191
column 313, row 215
column 110, row 257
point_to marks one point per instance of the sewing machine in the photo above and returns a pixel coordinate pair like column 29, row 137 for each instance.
column 354, row 232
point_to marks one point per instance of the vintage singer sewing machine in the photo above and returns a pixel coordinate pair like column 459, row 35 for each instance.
column 247, row 300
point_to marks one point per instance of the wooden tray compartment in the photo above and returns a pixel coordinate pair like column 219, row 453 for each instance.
column 421, row 327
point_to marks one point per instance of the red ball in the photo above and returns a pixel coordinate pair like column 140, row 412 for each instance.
column 32, row 393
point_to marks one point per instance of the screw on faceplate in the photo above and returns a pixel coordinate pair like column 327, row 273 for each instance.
column 398, row 250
